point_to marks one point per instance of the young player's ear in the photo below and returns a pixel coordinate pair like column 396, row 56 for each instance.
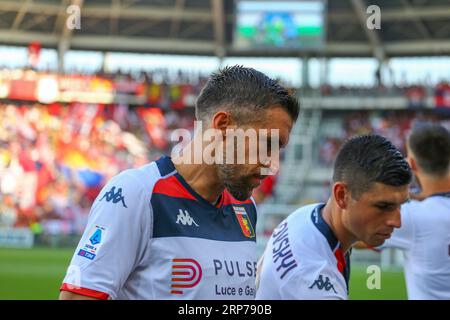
column 340, row 194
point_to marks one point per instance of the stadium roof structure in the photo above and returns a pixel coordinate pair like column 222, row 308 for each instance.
column 204, row 27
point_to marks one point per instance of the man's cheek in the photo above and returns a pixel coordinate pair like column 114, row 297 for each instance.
column 360, row 224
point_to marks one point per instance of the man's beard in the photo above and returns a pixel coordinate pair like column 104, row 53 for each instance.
column 239, row 187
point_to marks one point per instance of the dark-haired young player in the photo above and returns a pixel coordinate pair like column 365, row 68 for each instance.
column 307, row 256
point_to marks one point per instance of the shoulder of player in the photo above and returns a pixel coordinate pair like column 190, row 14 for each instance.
column 304, row 237
column 129, row 186
column 296, row 233
column 413, row 206
column 298, row 253
column 138, row 178
column 301, row 217
column 411, row 203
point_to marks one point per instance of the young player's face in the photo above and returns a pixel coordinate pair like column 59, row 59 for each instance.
column 241, row 179
column 374, row 215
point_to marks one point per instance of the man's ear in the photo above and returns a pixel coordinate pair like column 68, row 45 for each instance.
column 412, row 163
column 341, row 194
column 410, row 158
column 222, row 121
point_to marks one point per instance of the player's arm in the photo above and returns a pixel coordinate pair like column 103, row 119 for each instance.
column 66, row 295
column 112, row 244
column 314, row 283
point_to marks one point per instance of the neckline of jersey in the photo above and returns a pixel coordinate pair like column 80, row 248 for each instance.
column 197, row 196
column 323, row 227
column 440, row 194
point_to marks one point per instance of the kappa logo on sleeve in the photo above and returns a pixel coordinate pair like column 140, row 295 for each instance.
column 90, row 250
column 114, row 196
column 321, row 284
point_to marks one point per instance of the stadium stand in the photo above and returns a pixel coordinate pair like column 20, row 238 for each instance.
column 66, row 129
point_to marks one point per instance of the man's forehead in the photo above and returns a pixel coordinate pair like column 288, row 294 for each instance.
column 280, row 128
column 380, row 192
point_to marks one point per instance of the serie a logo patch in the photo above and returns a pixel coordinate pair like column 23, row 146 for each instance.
column 90, row 249
column 244, row 221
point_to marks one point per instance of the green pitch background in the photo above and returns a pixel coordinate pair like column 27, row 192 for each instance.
column 37, row 274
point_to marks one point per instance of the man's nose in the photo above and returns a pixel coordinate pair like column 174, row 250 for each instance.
column 395, row 220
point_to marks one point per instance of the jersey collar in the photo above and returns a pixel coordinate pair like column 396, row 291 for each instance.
column 440, row 194
column 343, row 260
column 323, row 227
column 166, row 167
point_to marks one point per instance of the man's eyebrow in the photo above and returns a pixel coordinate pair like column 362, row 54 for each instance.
column 388, row 203
column 383, row 203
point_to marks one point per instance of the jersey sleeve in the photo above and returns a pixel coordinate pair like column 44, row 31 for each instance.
column 403, row 237
column 312, row 283
column 114, row 241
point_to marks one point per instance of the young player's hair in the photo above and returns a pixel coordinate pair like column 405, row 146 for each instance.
column 245, row 93
column 366, row 159
column 430, row 145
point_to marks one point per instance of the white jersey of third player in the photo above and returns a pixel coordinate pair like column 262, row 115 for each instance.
column 304, row 260
column 425, row 238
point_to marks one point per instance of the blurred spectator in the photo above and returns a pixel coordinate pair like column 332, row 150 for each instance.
column 394, row 125
column 265, row 189
column 54, row 159
column 8, row 211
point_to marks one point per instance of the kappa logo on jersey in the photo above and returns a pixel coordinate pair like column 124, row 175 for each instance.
column 185, row 219
column 320, row 284
column 244, row 221
column 186, row 274
column 114, row 196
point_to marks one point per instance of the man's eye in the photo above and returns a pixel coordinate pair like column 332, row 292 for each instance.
column 385, row 207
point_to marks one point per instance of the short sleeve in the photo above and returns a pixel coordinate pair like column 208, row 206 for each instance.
column 314, row 284
column 114, row 241
column 403, row 237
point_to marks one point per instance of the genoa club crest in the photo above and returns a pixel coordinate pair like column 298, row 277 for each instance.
column 244, row 221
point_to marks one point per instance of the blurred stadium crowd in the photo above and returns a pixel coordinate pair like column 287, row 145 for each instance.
column 55, row 157
column 394, row 125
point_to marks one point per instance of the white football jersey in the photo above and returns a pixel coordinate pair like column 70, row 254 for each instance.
column 151, row 236
column 425, row 238
column 303, row 260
